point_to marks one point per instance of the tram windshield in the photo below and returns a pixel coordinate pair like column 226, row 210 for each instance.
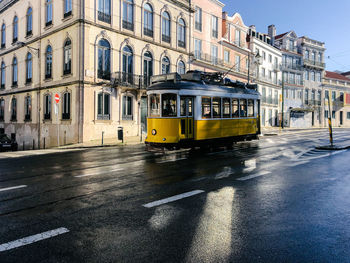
column 154, row 105
column 169, row 105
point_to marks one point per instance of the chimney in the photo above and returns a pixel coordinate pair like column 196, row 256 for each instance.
column 272, row 33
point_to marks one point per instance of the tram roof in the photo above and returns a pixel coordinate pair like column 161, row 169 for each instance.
column 196, row 80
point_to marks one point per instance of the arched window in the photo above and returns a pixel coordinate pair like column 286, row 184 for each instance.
column 306, row 54
column 103, row 106
column 3, row 36
column 181, row 67
column 147, row 67
column 148, row 20
column 104, row 59
column 15, row 30
column 14, row 109
column 2, row 109
column 3, row 75
column 104, row 10
column 67, row 60
column 181, row 33
column 14, row 72
column 47, row 106
column 29, row 21
column 128, row 65
column 67, row 8
column 48, row 12
column 48, row 63
column 66, row 106
column 29, row 68
column 165, row 65
column 27, row 108
column 166, row 27
column 128, row 14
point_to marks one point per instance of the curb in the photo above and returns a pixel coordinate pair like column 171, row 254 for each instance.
column 332, row 148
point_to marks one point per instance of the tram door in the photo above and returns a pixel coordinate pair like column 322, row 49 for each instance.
column 186, row 114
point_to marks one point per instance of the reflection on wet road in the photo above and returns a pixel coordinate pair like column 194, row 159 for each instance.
column 276, row 199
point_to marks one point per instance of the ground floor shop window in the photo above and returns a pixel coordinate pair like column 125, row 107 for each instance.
column 66, row 106
column 103, row 106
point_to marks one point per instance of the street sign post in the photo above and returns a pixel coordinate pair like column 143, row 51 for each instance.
column 57, row 100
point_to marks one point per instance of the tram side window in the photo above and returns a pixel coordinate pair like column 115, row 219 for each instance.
column 226, row 107
column 250, row 108
column 154, row 105
column 235, row 108
column 206, row 105
column 169, row 105
column 243, row 108
column 216, row 107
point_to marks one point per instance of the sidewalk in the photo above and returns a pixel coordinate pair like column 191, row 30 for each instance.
column 273, row 131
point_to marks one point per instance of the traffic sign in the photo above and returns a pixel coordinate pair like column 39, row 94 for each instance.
column 57, row 98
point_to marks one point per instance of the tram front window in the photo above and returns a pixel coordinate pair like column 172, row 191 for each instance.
column 250, row 108
column 154, row 105
column 243, row 108
column 169, row 105
column 216, row 107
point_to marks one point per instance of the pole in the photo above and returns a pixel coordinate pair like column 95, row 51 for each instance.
column 248, row 67
column 282, row 117
column 330, row 121
column 58, row 126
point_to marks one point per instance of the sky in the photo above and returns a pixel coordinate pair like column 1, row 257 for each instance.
column 323, row 20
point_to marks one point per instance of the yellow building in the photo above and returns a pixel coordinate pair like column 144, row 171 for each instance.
column 97, row 55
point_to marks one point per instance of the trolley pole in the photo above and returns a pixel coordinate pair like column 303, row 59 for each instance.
column 248, row 67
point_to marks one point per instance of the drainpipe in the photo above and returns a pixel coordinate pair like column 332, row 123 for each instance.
column 81, row 70
column 39, row 85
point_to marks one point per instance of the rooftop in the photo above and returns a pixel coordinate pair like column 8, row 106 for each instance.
column 334, row 75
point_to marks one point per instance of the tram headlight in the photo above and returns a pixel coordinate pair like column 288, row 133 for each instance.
column 154, row 132
column 164, row 139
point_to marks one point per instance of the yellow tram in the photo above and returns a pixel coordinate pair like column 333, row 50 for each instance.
column 199, row 109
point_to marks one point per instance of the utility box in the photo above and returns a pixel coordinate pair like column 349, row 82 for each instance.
column 120, row 134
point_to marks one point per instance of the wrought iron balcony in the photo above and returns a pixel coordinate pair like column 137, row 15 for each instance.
column 128, row 25
column 165, row 38
column 181, row 44
column 104, row 74
column 314, row 63
column 287, row 66
column 104, row 17
column 130, row 80
column 148, row 32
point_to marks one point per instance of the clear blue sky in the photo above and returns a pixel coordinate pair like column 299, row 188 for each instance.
column 324, row 20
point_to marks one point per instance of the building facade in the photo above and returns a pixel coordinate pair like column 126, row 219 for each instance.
column 266, row 67
column 97, row 55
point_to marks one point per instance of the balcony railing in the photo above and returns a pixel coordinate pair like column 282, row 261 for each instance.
column 214, row 33
column 130, row 80
column 104, row 74
column 198, row 26
column 104, row 17
column 208, row 58
column 166, row 38
column 128, row 25
column 312, row 102
column 318, row 64
column 291, row 66
column 148, row 32
column 181, row 44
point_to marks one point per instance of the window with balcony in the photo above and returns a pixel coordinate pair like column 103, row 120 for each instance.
column 227, row 56
column 104, row 60
column 47, row 106
column 319, row 57
column 2, row 109
column 148, row 20
column 214, row 54
column 3, row 75
column 165, row 65
column 27, row 108
column 128, row 14
column 270, row 58
column 103, row 106
column 214, row 26
column 264, row 55
column 307, row 75
column 3, row 35
column 198, row 19
column 67, row 8
column 306, row 96
column 29, row 68
column 66, row 102
column 104, row 11
column 14, row 72
column 29, row 28
column 334, row 98
column 341, row 97
column 15, row 30
column 67, row 57
column 318, row 76
column 128, row 65
column 313, row 56
column 181, row 67
column 166, row 27
column 313, row 75
column 48, row 12
column 13, row 109
column 181, row 33
column 263, row 95
column 307, row 54
column 237, row 63
column 127, row 109
column 48, row 63
column 197, row 48
column 238, row 37
column 147, row 67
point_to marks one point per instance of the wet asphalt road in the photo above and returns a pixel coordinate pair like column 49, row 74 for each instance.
column 273, row 200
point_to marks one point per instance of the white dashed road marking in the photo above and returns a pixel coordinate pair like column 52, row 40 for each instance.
column 12, row 188
column 172, row 198
column 32, row 239
column 253, row 176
